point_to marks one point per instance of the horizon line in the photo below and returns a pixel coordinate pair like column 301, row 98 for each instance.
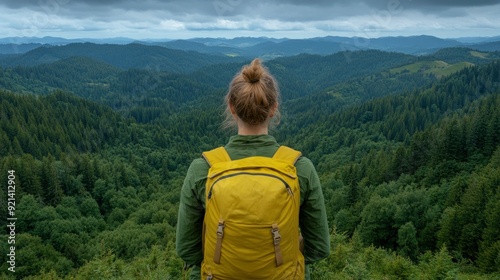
column 236, row 37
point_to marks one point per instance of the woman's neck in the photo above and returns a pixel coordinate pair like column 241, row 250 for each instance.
column 244, row 129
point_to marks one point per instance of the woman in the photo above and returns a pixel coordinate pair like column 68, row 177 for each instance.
column 252, row 105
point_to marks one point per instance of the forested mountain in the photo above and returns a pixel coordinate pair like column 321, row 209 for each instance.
column 489, row 46
column 136, row 88
column 137, row 56
column 411, row 45
column 407, row 149
column 299, row 76
column 18, row 48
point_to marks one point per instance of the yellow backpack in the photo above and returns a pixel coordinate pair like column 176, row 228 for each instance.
column 251, row 225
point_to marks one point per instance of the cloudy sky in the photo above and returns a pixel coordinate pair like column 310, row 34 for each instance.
column 177, row 19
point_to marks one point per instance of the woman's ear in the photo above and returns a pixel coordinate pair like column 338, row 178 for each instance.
column 273, row 110
column 232, row 110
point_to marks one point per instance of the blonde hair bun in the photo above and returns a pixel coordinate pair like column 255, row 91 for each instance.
column 253, row 72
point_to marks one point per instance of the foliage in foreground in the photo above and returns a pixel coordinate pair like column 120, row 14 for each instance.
column 349, row 260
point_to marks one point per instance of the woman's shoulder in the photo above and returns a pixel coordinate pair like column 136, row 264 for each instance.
column 304, row 166
column 199, row 163
column 198, row 169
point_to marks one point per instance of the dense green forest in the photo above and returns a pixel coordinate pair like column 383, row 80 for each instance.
column 407, row 148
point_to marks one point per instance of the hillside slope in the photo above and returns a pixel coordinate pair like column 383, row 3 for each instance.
column 121, row 56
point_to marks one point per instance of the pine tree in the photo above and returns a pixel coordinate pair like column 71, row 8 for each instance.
column 407, row 241
column 51, row 190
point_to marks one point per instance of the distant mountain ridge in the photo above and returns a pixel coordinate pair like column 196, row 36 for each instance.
column 18, row 48
column 63, row 41
column 271, row 47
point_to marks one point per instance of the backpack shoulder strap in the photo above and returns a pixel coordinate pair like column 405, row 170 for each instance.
column 216, row 155
column 287, row 154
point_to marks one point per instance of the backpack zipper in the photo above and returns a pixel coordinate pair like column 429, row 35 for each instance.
column 288, row 189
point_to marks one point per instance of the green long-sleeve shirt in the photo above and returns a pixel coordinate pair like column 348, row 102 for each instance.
column 312, row 217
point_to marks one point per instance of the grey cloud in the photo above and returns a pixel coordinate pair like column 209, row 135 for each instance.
column 233, row 7
column 16, row 4
column 284, row 10
column 378, row 3
column 198, row 14
column 455, row 3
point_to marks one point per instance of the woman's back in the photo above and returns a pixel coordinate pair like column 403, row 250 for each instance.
column 252, row 104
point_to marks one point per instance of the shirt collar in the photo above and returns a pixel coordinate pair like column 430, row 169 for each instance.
column 251, row 140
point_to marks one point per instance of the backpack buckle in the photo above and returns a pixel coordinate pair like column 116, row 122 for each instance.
column 220, row 229
column 218, row 244
column 276, row 234
column 277, row 240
